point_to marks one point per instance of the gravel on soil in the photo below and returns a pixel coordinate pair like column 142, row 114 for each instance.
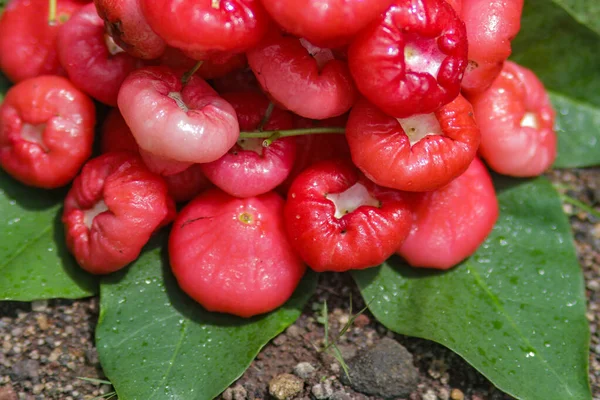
column 46, row 346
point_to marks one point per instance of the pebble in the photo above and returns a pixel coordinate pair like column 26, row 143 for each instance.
column 8, row 393
column 25, row 369
column 285, row 386
column 304, row 370
column 444, row 394
column 42, row 322
column 340, row 395
column 361, row 321
column 39, row 305
column 430, row 395
column 322, row 390
column 295, row 331
column 457, row 394
column 235, row 393
column 384, row 370
column 279, row 340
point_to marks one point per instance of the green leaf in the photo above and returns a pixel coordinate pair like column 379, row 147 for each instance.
column 515, row 310
column 4, row 85
column 34, row 261
column 154, row 342
column 587, row 12
column 564, row 54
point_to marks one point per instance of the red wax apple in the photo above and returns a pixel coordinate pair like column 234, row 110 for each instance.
column 116, row 135
column 28, row 40
column 126, row 24
column 207, row 25
column 184, row 123
column 301, row 77
column 232, row 256
column 491, row 25
column 419, row 153
column 249, row 168
column 412, row 59
column 111, row 211
column 46, row 131
column 451, row 223
column 516, row 120
column 325, row 22
column 94, row 63
column 338, row 220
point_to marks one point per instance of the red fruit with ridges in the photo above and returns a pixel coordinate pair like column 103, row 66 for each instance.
column 411, row 60
column 419, row 153
column 28, row 41
column 302, row 78
column 491, row 25
column 187, row 184
column 187, row 123
column 46, row 131
column 249, row 168
column 325, row 22
column 338, row 220
column 451, row 223
column 516, row 120
column 93, row 62
column 111, row 211
column 126, row 24
column 231, row 255
column 207, row 25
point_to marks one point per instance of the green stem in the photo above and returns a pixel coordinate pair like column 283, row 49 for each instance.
column 52, row 12
column 188, row 75
column 292, row 132
column 266, row 117
column 581, row 205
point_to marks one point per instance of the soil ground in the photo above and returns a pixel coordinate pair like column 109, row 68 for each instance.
column 45, row 346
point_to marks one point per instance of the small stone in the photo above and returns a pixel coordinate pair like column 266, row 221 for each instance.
column 16, row 332
column 304, row 370
column 285, row 386
column 42, row 322
column 339, row 395
column 444, row 394
column 26, row 369
column 322, row 390
column 335, row 368
column 429, row 395
column 594, row 285
column 69, row 330
column 457, row 394
column 347, row 351
column 279, row 340
column 384, row 370
column 295, row 331
column 7, row 393
column 37, row 389
column 227, row 394
column 56, row 353
column 39, row 305
column 239, row 393
column 361, row 321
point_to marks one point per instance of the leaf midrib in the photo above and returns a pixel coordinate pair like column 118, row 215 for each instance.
column 500, row 309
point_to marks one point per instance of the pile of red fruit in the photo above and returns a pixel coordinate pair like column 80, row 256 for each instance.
column 328, row 133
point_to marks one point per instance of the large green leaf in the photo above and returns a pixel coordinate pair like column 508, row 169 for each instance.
column 586, row 12
column 515, row 310
column 154, row 342
column 34, row 261
column 564, row 54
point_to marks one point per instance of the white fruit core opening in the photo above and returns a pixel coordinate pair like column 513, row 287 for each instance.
column 423, row 55
column 252, row 144
column 350, row 199
column 113, row 48
column 321, row 55
column 91, row 213
column 179, row 100
column 530, row 120
column 34, row 134
column 419, row 126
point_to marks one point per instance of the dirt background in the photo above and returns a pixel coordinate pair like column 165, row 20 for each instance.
column 45, row 346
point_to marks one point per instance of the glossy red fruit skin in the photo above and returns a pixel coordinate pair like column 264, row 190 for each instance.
column 126, row 24
column 213, row 66
column 293, row 79
column 509, row 145
column 198, row 26
column 382, row 150
column 59, row 120
column 241, row 80
column 377, row 57
column 243, row 172
column 203, row 132
column 325, row 22
column 116, row 136
column 359, row 239
column 136, row 205
column 452, row 222
column 232, row 256
column 491, row 26
column 28, row 42
column 84, row 54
